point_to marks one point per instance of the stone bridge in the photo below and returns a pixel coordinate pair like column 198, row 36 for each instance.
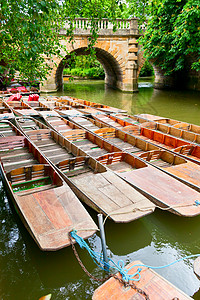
column 119, row 54
column 117, row 51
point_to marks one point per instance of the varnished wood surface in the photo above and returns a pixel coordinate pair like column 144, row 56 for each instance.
column 49, row 211
column 159, row 139
column 162, row 189
column 180, row 168
column 51, row 214
column 154, row 285
column 165, row 190
column 113, row 196
column 196, row 267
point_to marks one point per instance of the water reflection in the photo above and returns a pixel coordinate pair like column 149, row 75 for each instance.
column 158, row 239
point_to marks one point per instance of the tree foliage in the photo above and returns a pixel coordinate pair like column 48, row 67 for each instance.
column 85, row 66
column 173, row 34
column 29, row 31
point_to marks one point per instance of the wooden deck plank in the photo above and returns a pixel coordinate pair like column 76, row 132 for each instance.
column 32, row 211
column 52, row 214
column 188, row 171
column 165, row 190
column 53, row 208
column 157, row 287
column 114, row 196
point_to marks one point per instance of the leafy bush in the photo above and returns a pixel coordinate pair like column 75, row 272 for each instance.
column 147, row 70
column 84, row 66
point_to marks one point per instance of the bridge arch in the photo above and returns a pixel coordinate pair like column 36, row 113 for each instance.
column 112, row 67
column 115, row 50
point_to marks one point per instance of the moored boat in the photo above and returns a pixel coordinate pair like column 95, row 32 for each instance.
column 181, row 130
column 171, row 163
column 46, row 204
column 20, row 108
column 164, row 190
column 184, row 148
column 151, row 285
column 174, row 165
column 101, row 107
column 106, row 194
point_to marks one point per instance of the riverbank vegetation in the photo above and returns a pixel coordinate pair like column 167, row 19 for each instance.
column 84, row 67
column 87, row 67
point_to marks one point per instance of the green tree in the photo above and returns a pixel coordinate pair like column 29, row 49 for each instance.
column 173, row 33
column 29, row 31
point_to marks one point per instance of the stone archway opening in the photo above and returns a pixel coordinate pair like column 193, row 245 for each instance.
column 146, row 70
column 112, row 69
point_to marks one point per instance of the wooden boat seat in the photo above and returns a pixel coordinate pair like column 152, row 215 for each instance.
column 45, row 143
column 13, row 153
column 11, row 142
column 25, row 163
column 57, row 158
column 36, row 190
column 30, row 179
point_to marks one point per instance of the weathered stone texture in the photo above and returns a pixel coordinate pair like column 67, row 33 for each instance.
column 117, row 52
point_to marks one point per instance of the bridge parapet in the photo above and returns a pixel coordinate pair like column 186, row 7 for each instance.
column 120, row 27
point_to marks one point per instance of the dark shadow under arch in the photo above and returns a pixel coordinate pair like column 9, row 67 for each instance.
column 113, row 71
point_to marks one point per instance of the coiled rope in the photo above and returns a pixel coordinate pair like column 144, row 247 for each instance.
column 119, row 266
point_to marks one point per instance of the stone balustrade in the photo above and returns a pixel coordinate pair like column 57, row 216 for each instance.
column 120, row 27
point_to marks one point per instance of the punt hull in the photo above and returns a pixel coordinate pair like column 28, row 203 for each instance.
column 111, row 201
column 162, row 189
column 48, row 212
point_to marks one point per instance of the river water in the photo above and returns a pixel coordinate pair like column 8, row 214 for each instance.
column 158, row 239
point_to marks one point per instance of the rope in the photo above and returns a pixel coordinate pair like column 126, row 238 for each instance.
column 125, row 284
column 196, row 203
column 98, row 259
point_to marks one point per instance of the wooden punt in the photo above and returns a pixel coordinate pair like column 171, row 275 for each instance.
column 35, row 104
column 107, row 194
column 169, row 122
column 46, row 204
column 5, row 112
column 181, row 130
column 99, row 106
column 153, row 284
column 122, row 140
column 176, row 166
column 184, row 148
column 60, row 124
column 29, row 123
column 87, row 110
column 48, row 113
column 49, row 104
column 20, row 108
column 162, row 189
column 86, row 140
column 68, row 102
column 87, row 122
column 7, row 129
column 115, row 121
column 68, row 111
column 49, row 142
column 137, row 119
column 71, row 137
column 170, row 163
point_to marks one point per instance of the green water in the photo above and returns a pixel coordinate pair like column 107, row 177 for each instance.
column 158, row 239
